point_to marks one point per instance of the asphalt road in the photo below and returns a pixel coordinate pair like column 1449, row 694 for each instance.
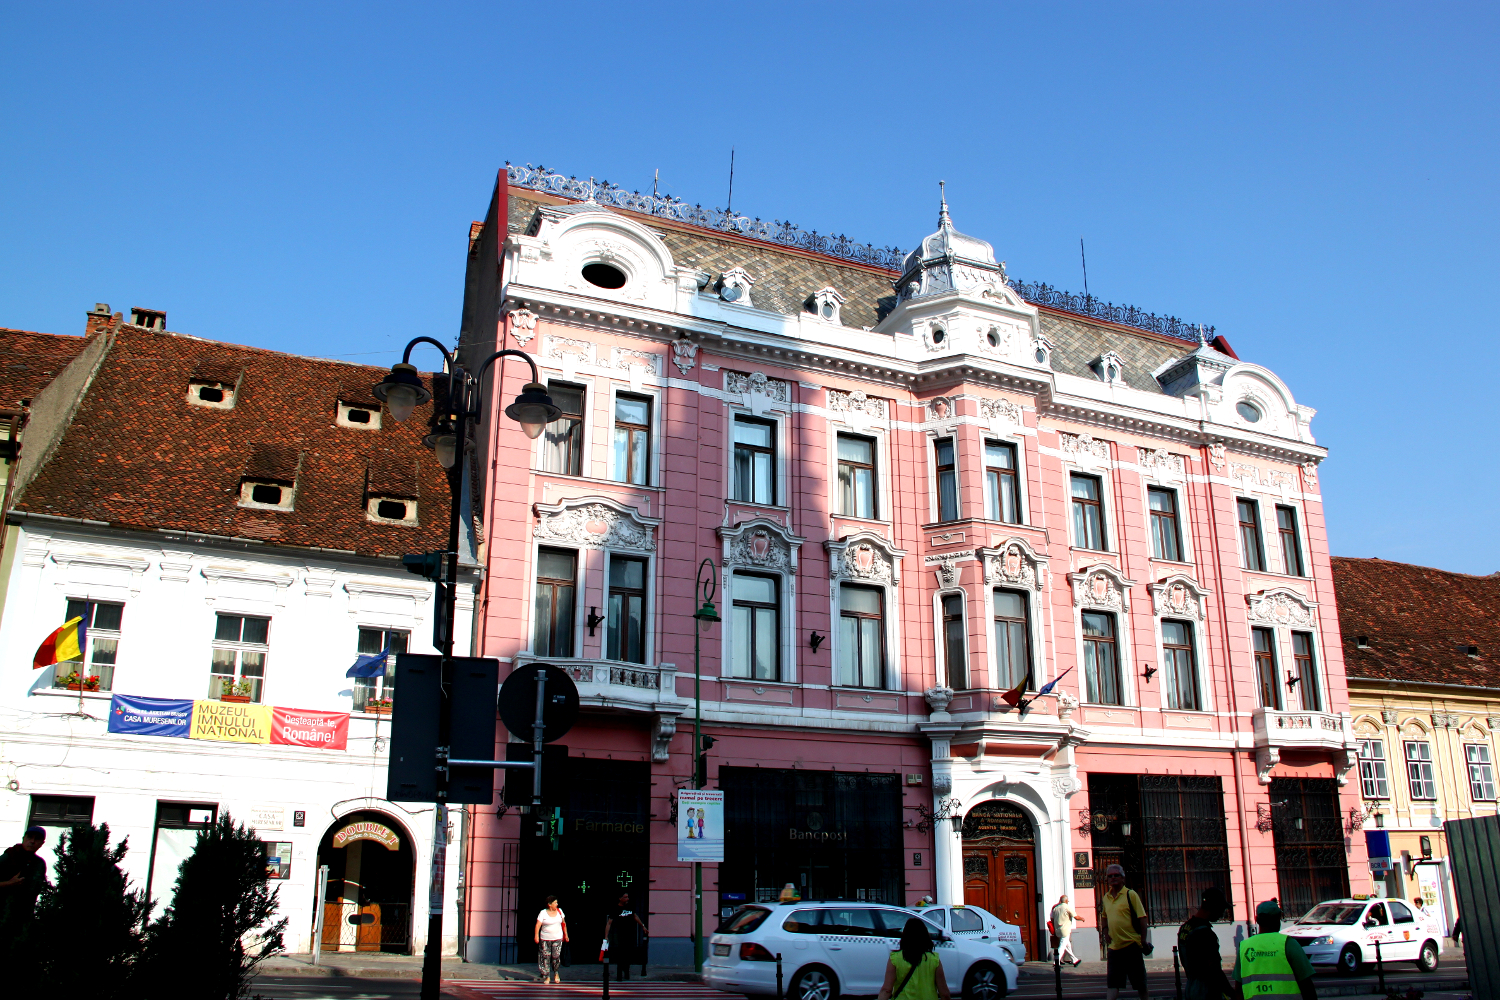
column 331, row 988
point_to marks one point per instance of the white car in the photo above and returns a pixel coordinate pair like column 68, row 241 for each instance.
column 977, row 923
column 1343, row 932
column 833, row 948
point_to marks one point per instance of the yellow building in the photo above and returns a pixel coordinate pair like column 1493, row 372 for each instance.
column 1422, row 653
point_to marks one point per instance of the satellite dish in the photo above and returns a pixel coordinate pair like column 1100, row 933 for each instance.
column 518, row 702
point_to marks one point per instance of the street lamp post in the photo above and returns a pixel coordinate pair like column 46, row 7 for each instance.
column 402, row 391
column 706, row 616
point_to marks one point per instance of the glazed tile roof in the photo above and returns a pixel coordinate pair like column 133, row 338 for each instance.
column 138, row 455
column 785, row 278
column 1415, row 620
column 29, row 361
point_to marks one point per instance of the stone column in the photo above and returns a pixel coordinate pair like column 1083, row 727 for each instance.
column 947, row 847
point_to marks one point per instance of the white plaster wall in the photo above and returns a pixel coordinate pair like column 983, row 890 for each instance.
column 316, row 606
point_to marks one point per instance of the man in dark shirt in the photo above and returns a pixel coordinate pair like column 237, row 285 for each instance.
column 22, row 875
column 1198, row 947
column 625, row 932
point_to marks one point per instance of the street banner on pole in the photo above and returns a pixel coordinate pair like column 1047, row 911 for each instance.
column 700, row 825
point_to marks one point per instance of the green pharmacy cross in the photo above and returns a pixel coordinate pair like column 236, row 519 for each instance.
column 624, row 879
column 583, row 886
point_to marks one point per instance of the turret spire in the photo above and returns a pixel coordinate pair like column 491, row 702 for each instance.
column 944, row 222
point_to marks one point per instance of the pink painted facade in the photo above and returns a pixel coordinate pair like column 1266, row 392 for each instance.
column 848, row 768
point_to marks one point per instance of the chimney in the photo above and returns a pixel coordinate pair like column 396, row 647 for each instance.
column 151, row 319
column 98, row 318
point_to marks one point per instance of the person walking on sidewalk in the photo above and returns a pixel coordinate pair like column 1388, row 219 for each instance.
column 550, row 935
column 625, row 933
column 1063, row 919
column 914, row 971
column 1270, row 963
column 1125, row 932
column 1198, row 946
column 22, row 877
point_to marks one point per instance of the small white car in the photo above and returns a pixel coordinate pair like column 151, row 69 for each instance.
column 1343, row 932
column 829, row 949
column 977, row 923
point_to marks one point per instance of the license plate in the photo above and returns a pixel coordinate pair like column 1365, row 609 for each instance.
column 721, row 950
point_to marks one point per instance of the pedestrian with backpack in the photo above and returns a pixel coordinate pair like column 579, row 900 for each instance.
column 914, row 971
column 1126, row 928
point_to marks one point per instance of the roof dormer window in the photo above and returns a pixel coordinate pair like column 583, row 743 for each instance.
column 359, row 416
column 1109, row 368
column 210, row 393
column 391, row 510
column 734, row 286
column 826, row 304
column 266, row 496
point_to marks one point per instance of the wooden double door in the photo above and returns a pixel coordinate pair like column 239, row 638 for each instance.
column 1000, row 869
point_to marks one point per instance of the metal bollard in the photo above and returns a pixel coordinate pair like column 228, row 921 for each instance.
column 605, row 964
column 1379, row 967
column 1057, row 971
column 1177, row 972
column 778, row 976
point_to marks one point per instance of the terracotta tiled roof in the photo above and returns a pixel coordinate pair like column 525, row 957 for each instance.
column 1418, row 622
column 138, row 455
column 29, row 361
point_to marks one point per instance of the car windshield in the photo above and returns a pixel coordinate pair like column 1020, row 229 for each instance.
column 1334, row 913
column 745, row 921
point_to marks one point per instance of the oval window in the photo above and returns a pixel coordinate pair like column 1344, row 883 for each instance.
column 993, row 337
column 938, row 336
column 1249, row 412
column 828, row 310
column 604, row 275
column 1041, row 356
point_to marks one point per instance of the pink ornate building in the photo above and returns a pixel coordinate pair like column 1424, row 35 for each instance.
column 923, row 483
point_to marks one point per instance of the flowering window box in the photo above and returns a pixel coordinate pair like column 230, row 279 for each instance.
column 239, row 699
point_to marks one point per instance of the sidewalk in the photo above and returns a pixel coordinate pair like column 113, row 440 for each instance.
column 377, row 965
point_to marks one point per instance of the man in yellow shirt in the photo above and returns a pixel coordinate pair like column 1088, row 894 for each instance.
column 1125, row 930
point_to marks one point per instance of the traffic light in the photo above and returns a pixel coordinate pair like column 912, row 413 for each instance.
column 704, row 746
column 426, row 564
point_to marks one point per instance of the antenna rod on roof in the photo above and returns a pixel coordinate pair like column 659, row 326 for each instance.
column 1085, row 259
column 729, row 208
column 655, row 180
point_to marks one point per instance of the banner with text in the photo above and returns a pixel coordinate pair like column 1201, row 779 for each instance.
column 150, row 716
column 305, row 728
column 700, row 825
column 231, row 722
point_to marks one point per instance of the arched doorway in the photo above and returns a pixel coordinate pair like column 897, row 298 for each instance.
column 370, row 870
column 1000, row 867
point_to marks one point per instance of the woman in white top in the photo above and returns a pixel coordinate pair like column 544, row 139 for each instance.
column 551, row 931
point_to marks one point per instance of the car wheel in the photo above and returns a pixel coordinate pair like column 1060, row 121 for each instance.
column 985, row 981
column 814, row 983
column 1349, row 961
column 1427, row 960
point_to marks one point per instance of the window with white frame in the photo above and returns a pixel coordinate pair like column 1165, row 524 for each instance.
column 1101, row 659
column 1306, row 672
column 1254, row 552
column 626, row 636
column 955, row 645
column 377, row 694
column 1481, row 774
column 861, row 636
column 562, row 442
column 1012, row 638
column 754, row 477
column 1180, row 663
column 1419, row 776
column 1267, row 676
column 856, row 457
column 238, row 667
column 1002, row 489
column 1372, row 776
column 756, row 628
column 553, row 611
column 947, row 479
column 1166, row 538
column 100, row 646
column 1286, row 535
column 1088, row 512
column 632, row 441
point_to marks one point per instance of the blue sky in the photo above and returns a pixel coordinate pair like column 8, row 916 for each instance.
column 1316, row 180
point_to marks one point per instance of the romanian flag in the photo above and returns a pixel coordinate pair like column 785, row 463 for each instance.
column 1014, row 695
column 61, row 646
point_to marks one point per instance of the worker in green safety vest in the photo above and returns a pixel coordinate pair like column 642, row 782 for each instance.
column 1270, row 964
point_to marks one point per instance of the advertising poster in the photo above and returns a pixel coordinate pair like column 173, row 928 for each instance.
column 231, row 722
column 700, row 825
column 150, row 716
column 306, row 728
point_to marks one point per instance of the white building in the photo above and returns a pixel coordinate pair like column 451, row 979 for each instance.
column 234, row 519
